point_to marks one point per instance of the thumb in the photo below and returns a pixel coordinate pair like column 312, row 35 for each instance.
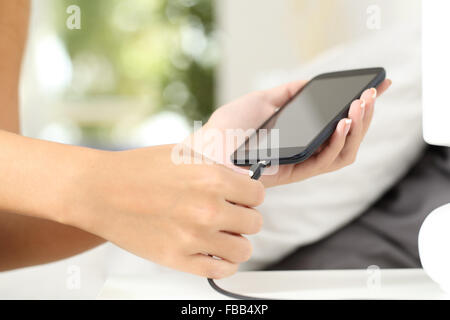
column 278, row 96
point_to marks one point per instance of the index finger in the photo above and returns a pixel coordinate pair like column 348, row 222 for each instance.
column 241, row 189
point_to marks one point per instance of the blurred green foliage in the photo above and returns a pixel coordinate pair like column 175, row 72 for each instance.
column 161, row 50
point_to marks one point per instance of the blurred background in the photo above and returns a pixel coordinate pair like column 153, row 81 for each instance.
column 139, row 72
column 132, row 69
column 136, row 68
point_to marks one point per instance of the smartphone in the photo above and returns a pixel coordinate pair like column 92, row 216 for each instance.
column 308, row 119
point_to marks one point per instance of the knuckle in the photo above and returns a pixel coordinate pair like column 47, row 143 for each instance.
column 206, row 218
column 255, row 222
column 351, row 159
column 214, row 179
column 207, row 215
column 189, row 239
column 259, row 222
column 260, row 192
column 246, row 251
column 205, row 176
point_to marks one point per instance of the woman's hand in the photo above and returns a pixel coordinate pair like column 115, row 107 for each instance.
column 250, row 111
column 174, row 215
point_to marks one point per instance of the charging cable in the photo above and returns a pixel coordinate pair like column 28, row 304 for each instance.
column 255, row 172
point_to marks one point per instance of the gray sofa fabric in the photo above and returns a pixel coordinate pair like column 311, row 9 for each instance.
column 386, row 234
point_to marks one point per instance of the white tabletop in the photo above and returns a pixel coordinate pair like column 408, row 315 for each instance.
column 331, row 284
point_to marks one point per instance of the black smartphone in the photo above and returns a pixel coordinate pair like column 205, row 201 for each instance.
column 308, row 119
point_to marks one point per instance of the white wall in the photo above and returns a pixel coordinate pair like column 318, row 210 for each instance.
column 259, row 36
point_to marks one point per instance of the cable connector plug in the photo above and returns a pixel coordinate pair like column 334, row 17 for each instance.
column 257, row 169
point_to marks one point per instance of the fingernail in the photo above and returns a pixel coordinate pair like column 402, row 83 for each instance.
column 348, row 124
column 363, row 107
column 374, row 93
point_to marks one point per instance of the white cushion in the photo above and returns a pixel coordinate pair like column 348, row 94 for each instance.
column 307, row 211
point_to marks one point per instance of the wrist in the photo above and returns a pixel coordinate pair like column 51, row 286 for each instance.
column 73, row 205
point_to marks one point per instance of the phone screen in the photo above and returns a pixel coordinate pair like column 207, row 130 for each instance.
column 311, row 110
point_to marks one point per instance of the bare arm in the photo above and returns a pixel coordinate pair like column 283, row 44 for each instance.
column 142, row 201
column 26, row 241
column 180, row 215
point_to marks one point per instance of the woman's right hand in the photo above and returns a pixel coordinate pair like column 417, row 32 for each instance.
column 175, row 215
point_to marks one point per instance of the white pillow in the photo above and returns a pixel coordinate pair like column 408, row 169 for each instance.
column 307, row 211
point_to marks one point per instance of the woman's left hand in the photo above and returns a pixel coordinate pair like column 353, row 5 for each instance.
column 252, row 110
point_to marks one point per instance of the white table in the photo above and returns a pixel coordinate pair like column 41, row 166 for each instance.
column 343, row 284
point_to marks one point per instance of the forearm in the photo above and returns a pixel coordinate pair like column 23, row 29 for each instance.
column 27, row 241
column 35, row 177
column 35, row 173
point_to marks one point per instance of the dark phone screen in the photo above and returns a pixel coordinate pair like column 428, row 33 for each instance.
column 308, row 113
column 303, row 118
